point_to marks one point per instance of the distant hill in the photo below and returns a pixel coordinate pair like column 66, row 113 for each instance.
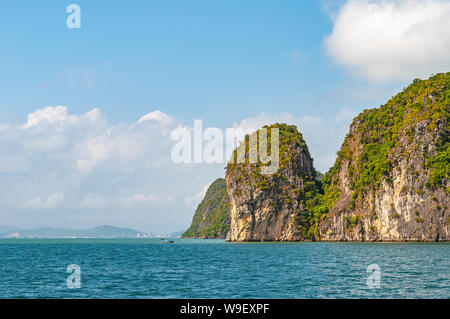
column 103, row 231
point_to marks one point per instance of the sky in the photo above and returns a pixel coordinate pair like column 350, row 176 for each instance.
column 87, row 114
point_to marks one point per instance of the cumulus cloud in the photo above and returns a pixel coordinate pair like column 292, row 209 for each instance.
column 384, row 40
column 121, row 174
column 39, row 203
column 92, row 152
column 118, row 174
column 156, row 116
column 58, row 114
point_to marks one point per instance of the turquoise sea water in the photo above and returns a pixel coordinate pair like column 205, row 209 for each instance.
column 147, row 268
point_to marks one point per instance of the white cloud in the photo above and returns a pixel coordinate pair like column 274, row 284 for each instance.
column 50, row 114
column 96, row 165
column 58, row 114
column 120, row 174
column 46, row 143
column 157, row 116
column 391, row 40
column 124, row 142
column 38, row 203
column 92, row 152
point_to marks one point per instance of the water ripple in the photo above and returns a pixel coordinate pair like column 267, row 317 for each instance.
column 127, row 268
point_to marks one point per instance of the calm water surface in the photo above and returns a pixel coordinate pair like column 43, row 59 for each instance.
column 147, row 268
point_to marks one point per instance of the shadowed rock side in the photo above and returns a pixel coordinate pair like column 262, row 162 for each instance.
column 271, row 207
column 390, row 181
column 212, row 217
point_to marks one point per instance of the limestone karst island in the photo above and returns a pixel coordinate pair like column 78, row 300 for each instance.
column 390, row 181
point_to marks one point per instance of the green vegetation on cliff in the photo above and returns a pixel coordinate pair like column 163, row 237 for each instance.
column 380, row 133
column 294, row 186
column 212, row 217
column 290, row 140
column 383, row 128
column 439, row 166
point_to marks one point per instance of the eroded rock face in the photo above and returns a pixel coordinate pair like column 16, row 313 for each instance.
column 270, row 207
column 392, row 171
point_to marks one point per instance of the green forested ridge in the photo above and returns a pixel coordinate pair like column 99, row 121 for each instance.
column 382, row 129
column 290, row 139
column 212, row 217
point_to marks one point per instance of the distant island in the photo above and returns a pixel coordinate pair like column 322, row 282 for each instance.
column 103, row 231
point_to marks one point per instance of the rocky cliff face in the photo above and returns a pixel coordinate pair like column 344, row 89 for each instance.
column 212, row 217
column 390, row 181
column 272, row 207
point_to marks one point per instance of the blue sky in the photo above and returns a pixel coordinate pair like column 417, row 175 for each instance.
column 86, row 114
column 216, row 60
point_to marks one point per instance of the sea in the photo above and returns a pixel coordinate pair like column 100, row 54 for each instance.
column 196, row 268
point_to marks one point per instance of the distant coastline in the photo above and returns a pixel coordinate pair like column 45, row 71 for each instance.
column 103, row 231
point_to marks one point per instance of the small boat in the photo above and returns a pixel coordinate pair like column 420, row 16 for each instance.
column 168, row 242
column 162, row 238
